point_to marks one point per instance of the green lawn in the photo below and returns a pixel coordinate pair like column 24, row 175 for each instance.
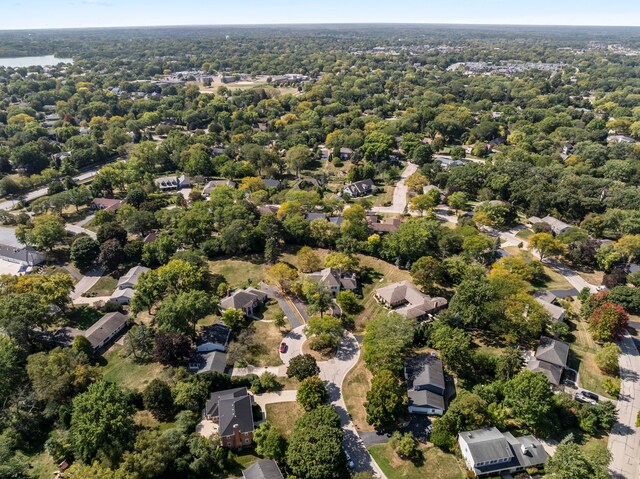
column 127, row 373
column 239, row 273
column 354, row 388
column 267, row 341
column 105, row 286
column 436, row 465
column 582, row 358
column 524, row 234
column 82, row 317
column 384, row 196
column 283, row 415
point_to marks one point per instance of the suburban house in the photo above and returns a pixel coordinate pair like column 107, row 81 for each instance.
column 359, row 188
column 263, row 469
column 620, row 139
column 211, row 346
column 126, row 285
column 244, row 299
column 271, row 183
column 550, row 359
column 489, row 452
column 426, row 385
column 106, row 329
column 334, row 280
column 166, row 183
column 389, row 225
column 130, row 280
column 107, row 204
column 206, row 191
column 231, row 411
column 268, row 209
column 558, row 227
column 447, row 163
column 345, row 154
column 24, row 255
column 549, row 301
column 408, row 301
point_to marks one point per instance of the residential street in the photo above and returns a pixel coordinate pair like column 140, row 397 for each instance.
column 399, row 204
column 624, row 440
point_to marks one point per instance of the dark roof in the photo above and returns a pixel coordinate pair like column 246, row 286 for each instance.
column 25, row 255
column 271, row 183
column 105, row 327
column 216, row 333
column 235, row 411
column 359, row 187
column 211, row 407
column 425, row 398
column 263, row 469
column 552, row 351
column 213, row 362
column 425, row 370
column 487, row 445
column 315, row 216
column 552, row 371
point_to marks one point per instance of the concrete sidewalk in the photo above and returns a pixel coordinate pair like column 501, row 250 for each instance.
column 624, row 440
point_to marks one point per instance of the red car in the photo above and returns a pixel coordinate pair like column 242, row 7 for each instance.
column 283, row 347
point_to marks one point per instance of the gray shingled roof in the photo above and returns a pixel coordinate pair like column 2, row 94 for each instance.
column 211, row 407
column 105, row 327
column 425, row 398
column 487, row 444
column 424, row 371
column 553, row 351
column 235, row 411
column 552, row 371
column 264, row 469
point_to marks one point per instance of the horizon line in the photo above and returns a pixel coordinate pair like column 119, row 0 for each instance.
column 249, row 25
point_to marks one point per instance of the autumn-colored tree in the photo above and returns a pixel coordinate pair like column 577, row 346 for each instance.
column 608, row 322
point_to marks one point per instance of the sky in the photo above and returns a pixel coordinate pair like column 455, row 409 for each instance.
column 33, row 14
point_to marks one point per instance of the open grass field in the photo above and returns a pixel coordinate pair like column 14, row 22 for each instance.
column 354, row 391
column 268, row 339
column 126, row 373
column 436, row 464
column 384, row 196
column 240, row 272
column 104, row 287
column 283, row 415
column 582, row 358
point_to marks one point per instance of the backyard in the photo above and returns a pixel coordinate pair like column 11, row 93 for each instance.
column 127, row 373
column 240, row 273
column 436, row 464
column 105, row 286
column 283, row 415
column 267, row 339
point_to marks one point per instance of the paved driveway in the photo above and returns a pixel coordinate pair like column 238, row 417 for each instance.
column 273, row 292
column 399, row 204
column 87, row 282
column 294, row 341
column 624, row 440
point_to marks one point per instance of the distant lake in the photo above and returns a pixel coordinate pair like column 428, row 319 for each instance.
column 43, row 61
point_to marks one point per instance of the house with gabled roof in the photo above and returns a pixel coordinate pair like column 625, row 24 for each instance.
column 426, row 384
column 244, row 299
column 550, row 359
column 408, row 301
column 490, row 453
column 106, row 204
column 334, row 280
column 106, row 329
column 359, row 188
column 231, row 410
column 263, row 469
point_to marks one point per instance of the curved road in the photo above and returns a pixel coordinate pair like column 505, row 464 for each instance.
column 333, row 372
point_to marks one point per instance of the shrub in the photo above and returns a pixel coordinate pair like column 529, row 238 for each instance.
column 607, row 358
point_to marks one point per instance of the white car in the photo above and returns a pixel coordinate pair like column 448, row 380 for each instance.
column 349, row 460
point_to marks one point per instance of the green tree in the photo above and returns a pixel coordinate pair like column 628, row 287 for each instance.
column 405, row 445
column 234, row 318
column 546, row 245
column 326, row 331
column 458, row 201
column 101, row 423
column 181, row 312
column 377, row 147
column 386, row 400
column 297, row 158
column 607, row 358
column 158, row 400
column 111, row 254
column 386, row 338
column 11, row 367
column 308, row 260
column 84, row 252
column 426, row 271
column 531, row 401
column 571, row 460
column 302, row 366
column 348, row 302
column 46, row 231
column 270, row 442
column 312, row 393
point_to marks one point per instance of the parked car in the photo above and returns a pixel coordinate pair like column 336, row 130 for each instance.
column 349, row 460
column 590, row 395
column 283, row 347
column 585, row 400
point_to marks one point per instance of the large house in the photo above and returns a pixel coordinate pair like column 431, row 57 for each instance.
column 425, row 384
column 206, row 191
column 359, row 188
column 167, row 183
column 550, row 359
column 408, row 301
column 489, row 452
column 244, row 299
column 106, row 329
column 263, row 469
column 334, row 280
column 231, row 411
column 390, row 225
